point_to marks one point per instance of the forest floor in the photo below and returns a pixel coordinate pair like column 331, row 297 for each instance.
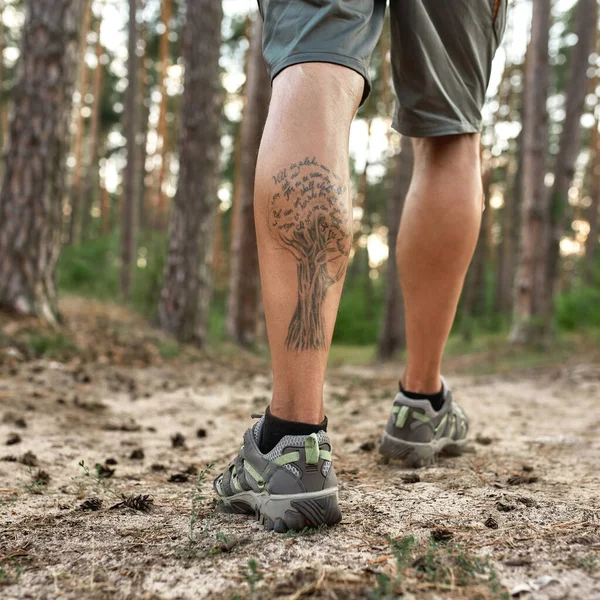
column 520, row 510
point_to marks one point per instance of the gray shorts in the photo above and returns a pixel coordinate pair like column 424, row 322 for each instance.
column 441, row 51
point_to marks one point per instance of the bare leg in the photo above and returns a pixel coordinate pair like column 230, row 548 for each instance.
column 436, row 241
column 304, row 227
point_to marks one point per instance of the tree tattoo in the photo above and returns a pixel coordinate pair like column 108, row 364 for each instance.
column 308, row 216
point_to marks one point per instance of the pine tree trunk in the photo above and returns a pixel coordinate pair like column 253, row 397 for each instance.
column 159, row 202
column 144, row 103
column 591, row 244
column 244, row 281
column 586, row 21
column 183, row 308
column 128, row 207
column 506, row 259
column 105, row 209
column 34, row 177
column 74, row 232
column 359, row 266
column 3, row 120
column 91, row 187
column 530, row 289
column 363, row 189
column 217, row 249
column 392, row 336
column 237, row 128
column 473, row 302
column 512, row 208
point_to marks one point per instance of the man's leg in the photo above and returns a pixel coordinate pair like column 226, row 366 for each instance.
column 318, row 55
column 436, row 241
column 284, row 471
column 304, row 227
column 441, row 61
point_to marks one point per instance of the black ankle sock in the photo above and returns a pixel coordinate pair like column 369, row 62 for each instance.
column 274, row 429
column 436, row 400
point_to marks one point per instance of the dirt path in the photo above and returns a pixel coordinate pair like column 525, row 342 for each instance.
column 521, row 504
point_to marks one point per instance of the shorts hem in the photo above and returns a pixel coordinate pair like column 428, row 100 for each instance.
column 325, row 57
column 428, row 131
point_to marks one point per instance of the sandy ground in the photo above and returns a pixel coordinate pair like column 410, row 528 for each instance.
column 521, row 504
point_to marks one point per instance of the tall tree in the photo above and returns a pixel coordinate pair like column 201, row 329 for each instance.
column 591, row 244
column 159, row 203
column 244, row 281
column 509, row 99
column 3, row 126
column 237, row 151
column 473, row 298
column 506, row 253
column 90, row 188
column 586, row 25
column 82, row 86
column 128, row 204
column 187, row 284
column 143, row 103
column 34, row 176
column 531, row 299
column 392, row 336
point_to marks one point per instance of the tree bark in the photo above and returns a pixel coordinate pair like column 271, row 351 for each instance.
column 473, row 303
column 244, row 280
column 586, row 21
column 105, row 209
column 3, row 120
column 34, row 176
column 159, row 202
column 530, row 285
column 128, row 208
column 591, row 244
column 183, row 308
column 144, row 102
column 392, row 336
column 237, row 151
column 90, row 189
column 75, row 191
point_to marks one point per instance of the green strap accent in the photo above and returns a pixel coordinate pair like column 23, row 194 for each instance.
column 326, row 455
column 234, row 480
column 395, row 409
column 440, row 427
column 253, row 473
column 287, row 458
column 420, row 417
column 402, row 416
column 452, row 426
column 312, row 450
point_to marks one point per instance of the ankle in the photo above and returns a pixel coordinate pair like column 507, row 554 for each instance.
column 421, row 384
column 298, row 409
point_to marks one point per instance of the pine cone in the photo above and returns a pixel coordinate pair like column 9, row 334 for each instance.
column 178, row 441
column 104, row 472
column 29, row 459
column 91, row 504
column 42, row 477
column 143, row 503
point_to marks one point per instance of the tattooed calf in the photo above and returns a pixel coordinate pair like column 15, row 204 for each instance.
column 310, row 219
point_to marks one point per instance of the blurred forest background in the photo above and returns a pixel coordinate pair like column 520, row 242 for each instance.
column 130, row 132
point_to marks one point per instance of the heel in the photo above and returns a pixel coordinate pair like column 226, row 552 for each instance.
column 297, row 513
column 314, row 512
column 414, row 455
